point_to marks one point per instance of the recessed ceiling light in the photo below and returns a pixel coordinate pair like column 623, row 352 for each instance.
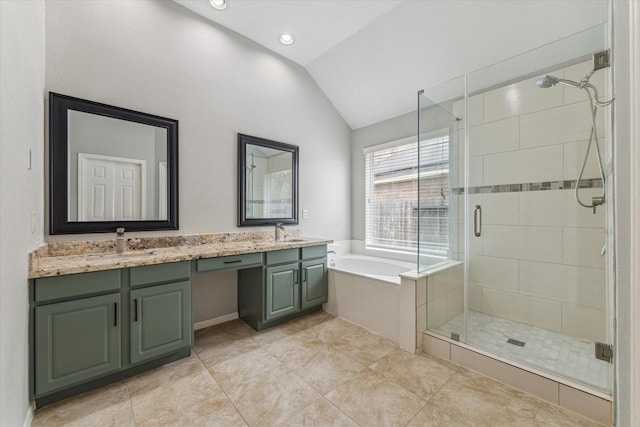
column 286, row 39
column 218, row 4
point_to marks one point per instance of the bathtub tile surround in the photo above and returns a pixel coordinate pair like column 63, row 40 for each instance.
column 526, row 147
column 445, row 295
column 389, row 297
column 262, row 386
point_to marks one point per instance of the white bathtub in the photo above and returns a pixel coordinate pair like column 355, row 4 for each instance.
column 374, row 268
column 369, row 292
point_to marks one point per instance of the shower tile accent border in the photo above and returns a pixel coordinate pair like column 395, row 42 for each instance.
column 531, row 186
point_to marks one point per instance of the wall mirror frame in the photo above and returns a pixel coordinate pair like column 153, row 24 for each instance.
column 66, row 214
column 267, row 182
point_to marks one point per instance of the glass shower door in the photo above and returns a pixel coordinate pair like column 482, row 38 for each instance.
column 528, row 271
column 536, row 280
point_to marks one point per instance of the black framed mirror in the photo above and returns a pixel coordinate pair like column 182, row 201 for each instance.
column 267, row 182
column 110, row 167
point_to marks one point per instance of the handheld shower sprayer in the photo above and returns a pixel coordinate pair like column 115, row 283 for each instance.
column 548, row 81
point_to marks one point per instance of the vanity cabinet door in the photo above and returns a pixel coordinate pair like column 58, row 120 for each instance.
column 282, row 290
column 314, row 283
column 160, row 320
column 76, row 341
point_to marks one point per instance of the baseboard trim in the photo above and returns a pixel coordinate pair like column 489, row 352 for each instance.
column 215, row 321
column 30, row 413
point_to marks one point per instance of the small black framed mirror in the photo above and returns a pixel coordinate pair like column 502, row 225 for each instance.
column 267, row 182
column 110, row 167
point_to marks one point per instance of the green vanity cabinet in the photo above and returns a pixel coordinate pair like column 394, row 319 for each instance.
column 292, row 283
column 160, row 316
column 282, row 289
column 160, row 320
column 91, row 329
column 314, row 283
column 77, row 327
column 76, row 340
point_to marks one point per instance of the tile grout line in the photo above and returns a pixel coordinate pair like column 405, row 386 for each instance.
column 133, row 412
column 323, row 395
column 221, row 389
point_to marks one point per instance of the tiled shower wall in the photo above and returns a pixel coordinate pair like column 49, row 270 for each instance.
column 538, row 259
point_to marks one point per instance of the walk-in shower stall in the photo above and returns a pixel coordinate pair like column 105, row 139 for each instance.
column 515, row 184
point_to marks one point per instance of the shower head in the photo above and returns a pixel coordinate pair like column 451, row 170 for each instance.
column 549, row 81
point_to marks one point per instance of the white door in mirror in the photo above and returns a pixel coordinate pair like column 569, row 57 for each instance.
column 110, row 188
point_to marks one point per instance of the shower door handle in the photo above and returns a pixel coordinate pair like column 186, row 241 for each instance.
column 477, row 221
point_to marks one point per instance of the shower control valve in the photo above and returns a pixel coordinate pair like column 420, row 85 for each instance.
column 597, row 201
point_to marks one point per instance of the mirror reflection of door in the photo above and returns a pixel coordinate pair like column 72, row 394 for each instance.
column 110, row 188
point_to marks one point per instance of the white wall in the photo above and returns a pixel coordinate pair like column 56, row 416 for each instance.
column 160, row 58
column 634, row 33
column 22, row 46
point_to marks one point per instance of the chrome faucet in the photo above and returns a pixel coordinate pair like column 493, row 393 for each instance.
column 120, row 240
column 280, row 232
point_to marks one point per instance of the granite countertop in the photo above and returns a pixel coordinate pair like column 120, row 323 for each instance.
column 57, row 259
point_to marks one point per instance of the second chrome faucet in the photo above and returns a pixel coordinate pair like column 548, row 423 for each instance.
column 280, row 232
column 120, row 240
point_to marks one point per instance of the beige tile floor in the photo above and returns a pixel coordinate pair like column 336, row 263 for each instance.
column 314, row 371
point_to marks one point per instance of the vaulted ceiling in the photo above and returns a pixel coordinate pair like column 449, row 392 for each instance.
column 370, row 57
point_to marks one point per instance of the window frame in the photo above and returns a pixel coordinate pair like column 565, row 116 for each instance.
column 369, row 188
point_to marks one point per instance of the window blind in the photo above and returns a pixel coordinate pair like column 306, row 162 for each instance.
column 395, row 217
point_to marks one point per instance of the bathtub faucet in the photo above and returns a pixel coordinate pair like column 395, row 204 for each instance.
column 280, row 232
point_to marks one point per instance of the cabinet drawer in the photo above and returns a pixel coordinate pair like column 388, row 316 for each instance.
column 280, row 257
column 233, row 262
column 76, row 285
column 160, row 273
column 314, row 252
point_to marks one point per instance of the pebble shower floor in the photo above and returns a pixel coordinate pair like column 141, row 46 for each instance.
column 563, row 355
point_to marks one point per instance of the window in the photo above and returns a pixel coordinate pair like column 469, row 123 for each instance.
column 394, row 215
